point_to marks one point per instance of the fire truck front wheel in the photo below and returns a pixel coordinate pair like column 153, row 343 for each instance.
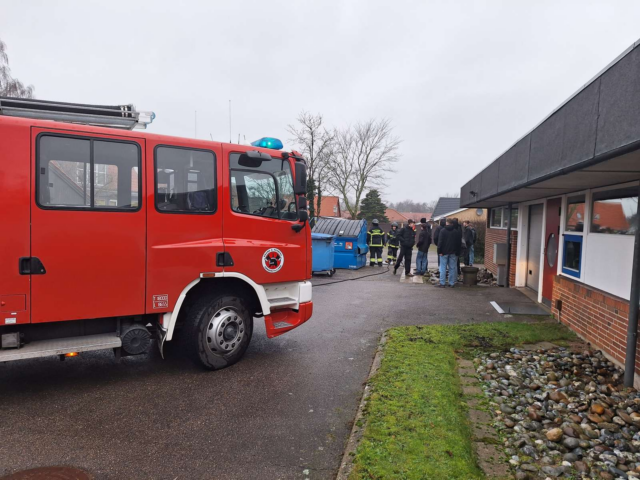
column 218, row 331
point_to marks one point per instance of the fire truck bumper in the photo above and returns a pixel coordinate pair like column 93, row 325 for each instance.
column 281, row 321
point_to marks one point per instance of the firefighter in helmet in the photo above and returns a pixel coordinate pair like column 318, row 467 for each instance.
column 393, row 243
column 376, row 239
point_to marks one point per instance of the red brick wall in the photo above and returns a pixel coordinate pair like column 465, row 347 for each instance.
column 599, row 318
column 499, row 235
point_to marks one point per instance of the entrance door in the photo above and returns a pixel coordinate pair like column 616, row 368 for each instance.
column 534, row 246
column 87, row 226
column 552, row 240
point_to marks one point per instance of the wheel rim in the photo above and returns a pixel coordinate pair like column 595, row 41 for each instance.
column 225, row 331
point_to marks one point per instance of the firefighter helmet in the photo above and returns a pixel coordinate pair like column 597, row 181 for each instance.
column 375, row 221
column 394, row 224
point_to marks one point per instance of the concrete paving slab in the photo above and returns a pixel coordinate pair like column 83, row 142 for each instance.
column 467, row 371
column 491, row 461
column 468, row 380
column 479, row 416
column 471, row 390
column 481, row 431
column 532, row 347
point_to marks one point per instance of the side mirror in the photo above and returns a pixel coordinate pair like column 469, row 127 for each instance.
column 303, row 214
column 300, row 187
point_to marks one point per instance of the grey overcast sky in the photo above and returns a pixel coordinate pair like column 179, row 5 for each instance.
column 460, row 80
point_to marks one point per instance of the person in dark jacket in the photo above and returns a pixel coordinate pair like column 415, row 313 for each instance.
column 376, row 239
column 458, row 227
column 424, row 242
column 449, row 246
column 436, row 234
column 407, row 237
column 470, row 240
column 393, row 243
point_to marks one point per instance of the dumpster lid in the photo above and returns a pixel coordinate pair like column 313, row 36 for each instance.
column 321, row 236
column 341, row 227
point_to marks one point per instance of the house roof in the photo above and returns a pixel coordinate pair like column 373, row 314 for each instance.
column 395, row 216
column 329, row 207
column 445, row 215
column 446, row 205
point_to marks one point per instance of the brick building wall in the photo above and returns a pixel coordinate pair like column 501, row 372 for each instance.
column 499, row 235
column 598, row 317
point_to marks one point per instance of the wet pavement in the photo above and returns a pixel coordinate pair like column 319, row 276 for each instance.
column 284, row 411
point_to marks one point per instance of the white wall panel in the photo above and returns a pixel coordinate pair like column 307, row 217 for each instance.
column 607, row 263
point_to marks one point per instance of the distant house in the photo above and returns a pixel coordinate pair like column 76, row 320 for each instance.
column 395, row 216
column 446, row 205
column 329, row 207
column 416, row 216
column 462, row 214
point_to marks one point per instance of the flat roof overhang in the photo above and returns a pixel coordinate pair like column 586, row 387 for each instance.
column 592, row 140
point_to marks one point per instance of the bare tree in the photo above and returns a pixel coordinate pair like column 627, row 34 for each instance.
column 315, row 143
column 431, row 206
column 363, row 155
column 9, row 86
column 452, row 195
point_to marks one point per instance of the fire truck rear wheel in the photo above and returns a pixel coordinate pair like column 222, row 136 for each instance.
column 218, row 331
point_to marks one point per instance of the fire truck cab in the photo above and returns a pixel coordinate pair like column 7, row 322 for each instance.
column 112, row 236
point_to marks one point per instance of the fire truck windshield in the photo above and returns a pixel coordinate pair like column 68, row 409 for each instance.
column 265, row 190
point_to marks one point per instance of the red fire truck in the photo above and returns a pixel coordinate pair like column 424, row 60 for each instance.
column 111, row 236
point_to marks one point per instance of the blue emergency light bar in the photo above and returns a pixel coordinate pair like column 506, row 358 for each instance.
column 268, row 142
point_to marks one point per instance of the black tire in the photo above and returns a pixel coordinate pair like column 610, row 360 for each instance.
column 206, row 320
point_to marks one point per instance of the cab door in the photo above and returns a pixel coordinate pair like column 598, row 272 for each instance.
column 87, row 226
column 259, row 213
column 184, row 237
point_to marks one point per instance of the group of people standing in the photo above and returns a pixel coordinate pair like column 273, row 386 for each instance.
column 452, row 240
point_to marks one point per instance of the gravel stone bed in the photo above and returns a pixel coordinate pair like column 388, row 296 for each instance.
column 563, row 413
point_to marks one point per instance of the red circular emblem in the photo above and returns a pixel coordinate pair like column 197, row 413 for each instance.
column 272, row 260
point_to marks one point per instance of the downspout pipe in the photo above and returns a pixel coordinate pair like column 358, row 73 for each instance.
column 509, row 244
column 634, row 299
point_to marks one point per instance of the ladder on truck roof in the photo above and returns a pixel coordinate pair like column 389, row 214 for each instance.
column 116, row 116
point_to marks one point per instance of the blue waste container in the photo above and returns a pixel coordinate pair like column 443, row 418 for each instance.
column 322, row 259
column 350, row 240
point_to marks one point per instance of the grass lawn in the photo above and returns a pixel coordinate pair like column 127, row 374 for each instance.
column 416, row 419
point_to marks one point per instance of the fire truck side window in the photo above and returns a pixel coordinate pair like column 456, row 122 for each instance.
column 65, row 165
column 185, row 180
column 265, row 190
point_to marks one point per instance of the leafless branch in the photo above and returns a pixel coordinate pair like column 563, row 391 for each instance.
column 364, row 155
column 9, row 86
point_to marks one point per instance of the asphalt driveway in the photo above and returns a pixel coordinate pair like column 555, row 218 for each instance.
column 284, row 411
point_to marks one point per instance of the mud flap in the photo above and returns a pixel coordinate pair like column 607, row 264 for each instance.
column 282, row 321
column 161, row 337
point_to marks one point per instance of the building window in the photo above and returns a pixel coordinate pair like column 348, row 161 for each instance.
column 572, row 255
column 185, row 180
column 101, row 175
column 615, row 211
column 574, row 219
column 500, row 216
column 496, row 218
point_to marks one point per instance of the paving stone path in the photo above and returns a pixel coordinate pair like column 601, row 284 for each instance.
column 485, row 438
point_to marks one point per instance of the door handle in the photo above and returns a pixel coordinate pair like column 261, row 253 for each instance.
column 31, row 266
